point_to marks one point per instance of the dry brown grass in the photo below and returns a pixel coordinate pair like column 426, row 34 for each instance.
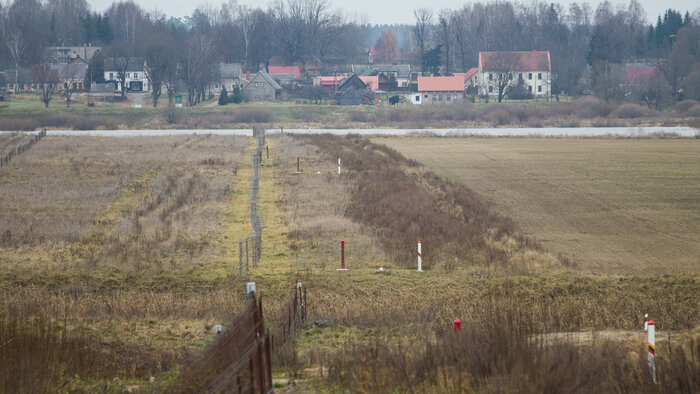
column 128, row 202
column 11, row 141
column 611, row 205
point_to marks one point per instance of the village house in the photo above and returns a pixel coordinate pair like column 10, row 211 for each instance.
column 439, row 90
column 532, row 69
column 354, row 91
column 329, row 82
column 71, row 76
column 69, row 54
column 230, row 76
column 285, row 75
column 401, row 72
column 470, row 78
column 262, row 88
column 135, row 81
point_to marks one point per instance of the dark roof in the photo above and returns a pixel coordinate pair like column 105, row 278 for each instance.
column 352, row 80
column 75, row 70
column 107, row 87
column 401, row 70
column 135, row 64
column 516, row 61
column 263, row 74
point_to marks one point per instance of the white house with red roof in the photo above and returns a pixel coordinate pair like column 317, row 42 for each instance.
column 439, row 90
column 533, row 69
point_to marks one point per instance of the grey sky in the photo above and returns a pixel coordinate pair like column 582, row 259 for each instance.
column 386, row 12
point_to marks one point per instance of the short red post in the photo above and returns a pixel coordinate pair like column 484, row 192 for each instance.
column 458, row 325
column 282, row 129
column 342, row 257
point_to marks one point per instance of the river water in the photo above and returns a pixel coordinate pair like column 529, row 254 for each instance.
column 493, row 132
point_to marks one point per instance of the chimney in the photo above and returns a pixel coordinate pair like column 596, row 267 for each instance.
column 247, row 75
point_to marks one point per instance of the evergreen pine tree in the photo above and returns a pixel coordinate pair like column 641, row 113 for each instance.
column 223, row 97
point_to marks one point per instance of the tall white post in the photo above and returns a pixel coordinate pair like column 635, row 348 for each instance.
column 420, row 258
column 652, row 348
column 339, row 166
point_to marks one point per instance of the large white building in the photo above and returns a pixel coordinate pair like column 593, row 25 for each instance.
column 135, row 75
column 532, row 69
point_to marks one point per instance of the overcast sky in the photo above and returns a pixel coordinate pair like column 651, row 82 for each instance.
column 386, row 11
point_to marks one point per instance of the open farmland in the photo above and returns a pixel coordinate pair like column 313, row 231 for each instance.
column 127, row 249
column 611, row 205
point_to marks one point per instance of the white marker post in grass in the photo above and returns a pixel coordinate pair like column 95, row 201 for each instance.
column 652, row 348
column 339, row 166
column 420, row 257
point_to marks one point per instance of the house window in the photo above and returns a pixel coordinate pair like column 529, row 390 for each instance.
column 539, row 89
column 418, row 97
column 403, row 84
column 455, row 97
column 80, row 86
column 136, row 75
column 448, row 97
column 490, row 77
column 539, row 75
column 233, row 86
column 490, row 89
column 75, row 85
column 65, row 85
column 425, row 96
column 127, row 75
column 529, row 89
column 111, row 76
column 529, row 75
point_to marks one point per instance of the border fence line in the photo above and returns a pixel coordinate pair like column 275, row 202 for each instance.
column 238, row 362
column 5, row 160
column 253, row 244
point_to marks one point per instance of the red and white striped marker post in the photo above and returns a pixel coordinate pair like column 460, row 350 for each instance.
column 342, row 257
column 646, row 321
column 420, row 257
column 298, row 170
column 652, row 348
column 339, row 166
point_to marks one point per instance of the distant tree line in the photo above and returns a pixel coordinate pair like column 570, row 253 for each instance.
column 585, row 43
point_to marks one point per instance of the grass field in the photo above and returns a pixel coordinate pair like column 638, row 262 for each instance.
column 127, row 249
column 612, row 205
column 27, row 112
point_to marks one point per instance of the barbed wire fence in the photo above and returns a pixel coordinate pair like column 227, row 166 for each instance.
column 253, row 244
column 5, row 160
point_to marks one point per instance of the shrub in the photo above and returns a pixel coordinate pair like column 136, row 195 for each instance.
column 630, row 111
column 357, row 116
column 173, row 114
column 253, row 115
column 589, row 107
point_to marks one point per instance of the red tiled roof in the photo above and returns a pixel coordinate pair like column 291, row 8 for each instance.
column 331, row 80
column 470, row 73
column 370, row 80
column 441, row 84
column 637, row 75
column 284, row 70
column 521, row 61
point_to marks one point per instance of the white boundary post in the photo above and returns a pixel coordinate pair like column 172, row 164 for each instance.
column 651, row 327
column 420, row 257
column 339, row 166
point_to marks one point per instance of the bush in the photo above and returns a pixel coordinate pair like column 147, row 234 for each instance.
column 589, row 107
column 253, row 115
column 173, row 114
column 630, row 111
column 357, row 116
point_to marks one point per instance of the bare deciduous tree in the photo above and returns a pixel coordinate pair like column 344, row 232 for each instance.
column 47, row 81
column 421, row 30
